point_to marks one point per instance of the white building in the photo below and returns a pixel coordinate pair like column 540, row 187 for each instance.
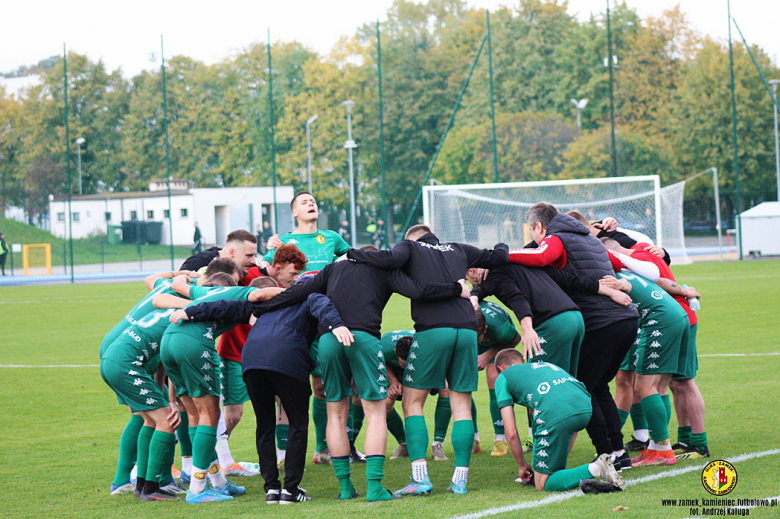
column 761, row 229
column 217, row 211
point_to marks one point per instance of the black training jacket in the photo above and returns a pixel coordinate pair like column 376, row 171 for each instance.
column 429, row 261
column 360, row 293
column 527, row 292
column 200, row 260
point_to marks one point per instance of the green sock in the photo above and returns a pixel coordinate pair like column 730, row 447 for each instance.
column 375, row 471
column 684, row 434
column 128, row 449
column 185, row 442
column 203, row 447
column 668, row 405
column 358, row 415
column 699, row 440
column 144, row 439
column 193, row 430
column 623, row 417
column 495, row 413
column 282, row 430
column 638, row 417
column 343, row 473
column 566, row 479
column 441, row 419
column 655, row 412
column 395, row 425
column 462, row 441
column 159, row 448
column 417, row 437
column 319, row 415
column 167, row 475
column 474, row 415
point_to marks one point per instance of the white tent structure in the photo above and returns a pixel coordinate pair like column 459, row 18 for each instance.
column 761, row 229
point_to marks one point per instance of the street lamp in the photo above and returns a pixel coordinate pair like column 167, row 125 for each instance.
column 350, row 144
column 580, row 105
column 308, row 145
column 80, row 141
column 774, row 83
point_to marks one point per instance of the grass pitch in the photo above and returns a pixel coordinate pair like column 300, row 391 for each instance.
column 60, row 426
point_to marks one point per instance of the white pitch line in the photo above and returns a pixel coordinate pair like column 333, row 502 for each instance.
column 565, row 496
column 738, row 354
column 49, row 365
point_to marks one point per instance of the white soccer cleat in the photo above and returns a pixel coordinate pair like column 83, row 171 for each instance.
column 238, row 470
column 607, row 471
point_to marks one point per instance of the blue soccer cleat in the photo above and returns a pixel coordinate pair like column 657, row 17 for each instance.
column 185, row 478
column 230, row 489
column 459, row 487
column 207, row 496
column 416, row 488
column 124, row 488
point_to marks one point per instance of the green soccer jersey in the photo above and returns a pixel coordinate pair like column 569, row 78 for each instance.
column 139, row 343
column 656, row 307
column 552, row 393
column 388, row 343
column 320, row 248
column 500, row 328
column 208, row 331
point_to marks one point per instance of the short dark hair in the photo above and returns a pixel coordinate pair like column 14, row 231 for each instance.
column 241, row 236
column 417, row 229
column 369, row 248
column 220, row 279
column 301, row 193
column 402, row 347
column 508, row 357
column 263, row 282
column 224, row 265
column 541, row 212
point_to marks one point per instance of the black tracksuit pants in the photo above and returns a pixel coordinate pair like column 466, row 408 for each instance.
column 601, row 353
column 262, row 386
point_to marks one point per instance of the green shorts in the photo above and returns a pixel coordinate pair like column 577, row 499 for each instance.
column 551, row 443
column 133, row 386
column 632, row 359
column 231, row 382
column 689, row 363
column 443, row 355
column 192, row 365
column 314, row 353
column 362, row 361
column 560, row 338
column 659, row 348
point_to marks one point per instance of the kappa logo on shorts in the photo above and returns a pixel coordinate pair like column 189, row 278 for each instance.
column 543, row 443
column 221, row 376
column 654, row 355
column 133, row 373
column 541, row 351
column 206, row 355
column 206, row 367
column 415, row 345
column 541, row 465
column 543, row 388
column 143, row 392
column 207, row 378
column 413, row 356
column 221, row 363
column 656, row 333
column 209, row 334
column 498, row 423
column 543, row 454
column 154, row 345
column 529, row 398
column 146, row 353
column 137, row 363
column 653, row 365
column 410, row 367
column 137, row 382
column 539, row 421
column 544, row 433
column 407, row 378
column 537, row 412
column 382, row 389
column 381, row 378
column 380, row 355
column 380, row 366
column 651, row 322
column 542, row 340
column 655, row 344
column 150, row 401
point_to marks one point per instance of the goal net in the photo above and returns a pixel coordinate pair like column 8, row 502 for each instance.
column 485, row 214
column 36, row 259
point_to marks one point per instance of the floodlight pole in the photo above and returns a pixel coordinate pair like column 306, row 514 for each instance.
column 80, row 141
column 774, row 83
column 308, row 146
column 736, row 144
column 67, row 156
column 273, row 138
column 167, row 155
column 350, row 144
column 717, row 211
column 611, row 93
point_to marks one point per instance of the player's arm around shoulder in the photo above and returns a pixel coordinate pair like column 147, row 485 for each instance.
column 486, row 258
column 392, row 259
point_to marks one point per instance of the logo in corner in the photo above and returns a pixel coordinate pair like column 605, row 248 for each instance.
column 719, row 477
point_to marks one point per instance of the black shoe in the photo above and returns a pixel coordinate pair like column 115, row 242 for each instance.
column 355, row 456
column 679, row 448
column 273, row 496
column 636, row 445
column 622, row 462
column 594, row 486
column 159, row 495
column 287, row 498
column 694, row 453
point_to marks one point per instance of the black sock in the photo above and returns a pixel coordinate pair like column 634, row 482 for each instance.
column 150, row 487
column 139, row 484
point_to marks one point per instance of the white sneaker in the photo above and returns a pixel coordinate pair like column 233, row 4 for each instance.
column 237, row 470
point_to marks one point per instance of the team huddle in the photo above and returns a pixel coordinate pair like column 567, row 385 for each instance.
column 298, row 334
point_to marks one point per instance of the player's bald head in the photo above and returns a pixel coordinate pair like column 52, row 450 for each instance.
column 614, row 246
column 415, row 232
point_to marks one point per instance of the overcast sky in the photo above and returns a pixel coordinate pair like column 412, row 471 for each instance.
column 124, row 34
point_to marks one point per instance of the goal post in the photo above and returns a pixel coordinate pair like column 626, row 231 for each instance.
column 36, row 259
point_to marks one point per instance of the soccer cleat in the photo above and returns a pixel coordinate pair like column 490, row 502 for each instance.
column 622, row 462
column 160, row 495
column 437, row 452
column 694, row 453
column 250, row 466
column 528, row 445
column 176, row 473
column 400, row 452
column 231, row 489
column 477, row 447
column 655, row 457
column 607, row 471
column 174, row 488
column 416, row 488
column 639, row 458
column 207, row 496
column 679, row 448
column 592, row 486
column 124, row 488
column 636, row 445
column 185, row 478
column 500, row 448
column 272, row 496
column 288, row 499
column 238, row 470
column 355, row 495
column 459, row 487
column 355, row 456
column 322, row 457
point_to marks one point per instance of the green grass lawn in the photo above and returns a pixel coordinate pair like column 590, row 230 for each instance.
column 60, row 427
